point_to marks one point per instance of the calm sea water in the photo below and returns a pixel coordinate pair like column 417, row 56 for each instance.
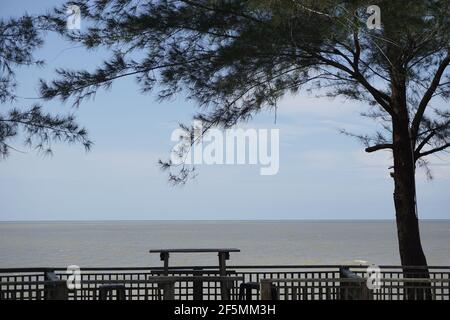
column 126, row 243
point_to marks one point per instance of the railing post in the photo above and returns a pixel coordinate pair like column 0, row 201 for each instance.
column 197, row 286
column 164, row 256
column 56, row 289
column 353, row 290
column 224, row 290
column 169, row 290
column 266, row 289
column 448, row 289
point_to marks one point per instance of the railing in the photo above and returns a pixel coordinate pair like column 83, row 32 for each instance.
column 318, row 275
column 91, row 290
column 203, row 283
column 353, row 289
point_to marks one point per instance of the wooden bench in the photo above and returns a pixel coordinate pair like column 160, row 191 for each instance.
column 223, row 254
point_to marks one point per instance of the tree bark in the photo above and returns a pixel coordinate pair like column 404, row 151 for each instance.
column 412, row 256
column 410, row 246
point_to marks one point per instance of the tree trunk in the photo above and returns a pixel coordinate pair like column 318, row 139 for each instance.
column 411, row 252
column 412, row 256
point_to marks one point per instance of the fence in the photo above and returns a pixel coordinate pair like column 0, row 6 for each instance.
column 203, row 283
column 353, row 289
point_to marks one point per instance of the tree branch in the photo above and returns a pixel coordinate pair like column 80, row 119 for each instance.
column 382, row 98
column 426, row 153
column 428, row 95
column 423, row 143
column 379, row 147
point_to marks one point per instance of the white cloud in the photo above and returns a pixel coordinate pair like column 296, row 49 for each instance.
column 439, row 166
column 378, row 159
column 323, row 158
column 302, row 105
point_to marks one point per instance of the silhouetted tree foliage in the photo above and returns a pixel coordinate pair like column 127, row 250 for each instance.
column 235, row 58
column 19, row 38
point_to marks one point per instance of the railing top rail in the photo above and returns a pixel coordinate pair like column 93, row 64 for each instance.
column 152, row 279
column 231, row 267
column 357, row 280
column 331, row 267
column 155, row 279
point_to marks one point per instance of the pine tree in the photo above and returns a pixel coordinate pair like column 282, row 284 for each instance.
column 235, row 58
column 19, row 38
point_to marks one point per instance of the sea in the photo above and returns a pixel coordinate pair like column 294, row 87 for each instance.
column 286, row 242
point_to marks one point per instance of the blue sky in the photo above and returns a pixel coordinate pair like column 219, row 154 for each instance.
column 323, row 174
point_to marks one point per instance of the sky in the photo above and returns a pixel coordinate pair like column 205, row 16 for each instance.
column 322, row 175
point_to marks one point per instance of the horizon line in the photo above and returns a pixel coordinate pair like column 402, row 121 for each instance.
column 219, row 220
